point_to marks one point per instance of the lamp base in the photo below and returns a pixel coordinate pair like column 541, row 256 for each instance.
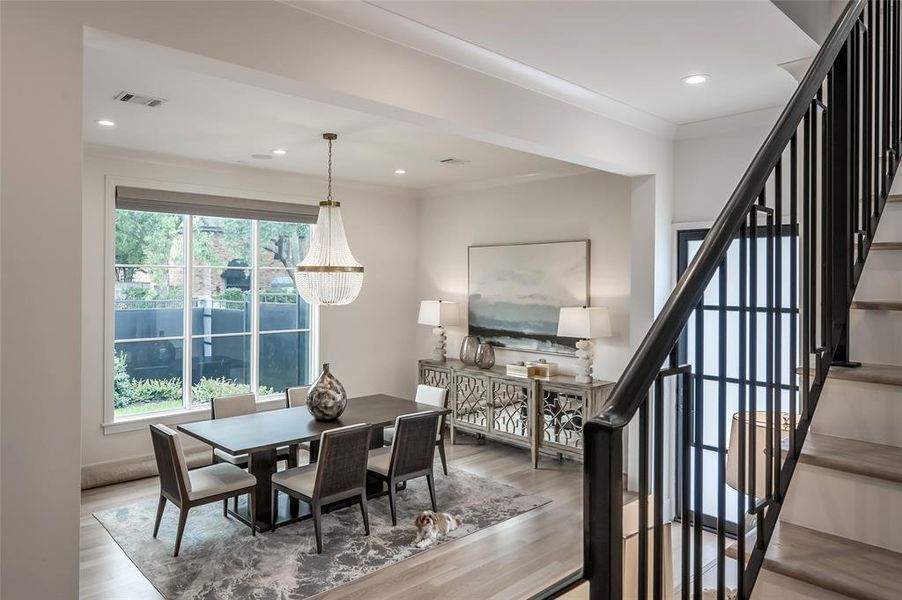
column 441, row 344
column 584, row 361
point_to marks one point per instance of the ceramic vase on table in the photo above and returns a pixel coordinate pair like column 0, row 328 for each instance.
column 326, row 398
column 485, row 356
column 468, row 350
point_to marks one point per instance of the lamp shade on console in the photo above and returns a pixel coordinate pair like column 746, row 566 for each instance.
column 438, row 314
column 585, row 323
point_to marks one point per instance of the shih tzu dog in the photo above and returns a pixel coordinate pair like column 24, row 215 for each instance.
column 432, row 525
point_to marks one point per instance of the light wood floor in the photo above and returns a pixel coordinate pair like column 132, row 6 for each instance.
column 511, row 560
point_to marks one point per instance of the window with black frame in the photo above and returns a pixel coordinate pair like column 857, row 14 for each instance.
column 709, row 379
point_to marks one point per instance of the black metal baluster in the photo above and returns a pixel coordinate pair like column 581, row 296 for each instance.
column 686, row 481
column 805, row 283
column 753, row 353
column 769, row 357
column 741, row 423
column 643, row 501
column 698, row 469
column 776, row 316
column 793, row 287
column 722, row 431
column 658, row 487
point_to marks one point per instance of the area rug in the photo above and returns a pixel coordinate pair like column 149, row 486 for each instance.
column 219, row 559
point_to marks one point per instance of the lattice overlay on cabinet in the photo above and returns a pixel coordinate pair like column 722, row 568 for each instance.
column 510, row 412
column 562, row 418
column 469, row 400
column 436, row 377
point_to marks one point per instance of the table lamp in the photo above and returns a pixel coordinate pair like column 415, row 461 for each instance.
column 438, row 314
column 585, row 323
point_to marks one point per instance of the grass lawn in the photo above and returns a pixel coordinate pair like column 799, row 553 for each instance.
column 136, row 409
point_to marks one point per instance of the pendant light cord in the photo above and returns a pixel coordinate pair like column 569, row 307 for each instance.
column 329, row 195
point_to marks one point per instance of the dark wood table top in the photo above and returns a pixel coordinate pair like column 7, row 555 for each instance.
column 270, row 429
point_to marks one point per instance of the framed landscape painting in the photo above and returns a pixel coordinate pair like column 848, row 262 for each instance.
column 516, row 292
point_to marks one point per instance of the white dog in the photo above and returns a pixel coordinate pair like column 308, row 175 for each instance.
column 432, row 525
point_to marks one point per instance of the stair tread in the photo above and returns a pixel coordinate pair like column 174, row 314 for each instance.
column 831, row 562
column 894, row 198
column 868, row 373
column 877, row 305
column 853, row 456
column 886, row 246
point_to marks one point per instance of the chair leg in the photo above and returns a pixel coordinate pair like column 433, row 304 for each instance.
column 183, row 517
column 274, row 509
column 431, row 485
column 441, row 453
column 363, row 511
column 252, row 502
column 318, row 527
column 391, row 502
column 225, row 507
column 160, row 507
column 235, row 504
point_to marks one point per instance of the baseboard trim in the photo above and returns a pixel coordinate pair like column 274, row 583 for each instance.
column 135, row 467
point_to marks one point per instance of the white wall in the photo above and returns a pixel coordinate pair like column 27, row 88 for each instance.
column 380, row 224
column 594, row 206
column 709, row 159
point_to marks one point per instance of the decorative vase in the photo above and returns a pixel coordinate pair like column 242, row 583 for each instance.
column 485, row 356
column 326, row 398
column 468, row 350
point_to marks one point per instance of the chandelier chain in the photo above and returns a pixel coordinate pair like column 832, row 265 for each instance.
column 329, row 195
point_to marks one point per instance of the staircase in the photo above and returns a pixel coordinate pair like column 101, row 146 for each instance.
column 841, row 525
column 808, row 504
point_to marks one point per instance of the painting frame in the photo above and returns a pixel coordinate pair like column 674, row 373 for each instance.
column 583, row 299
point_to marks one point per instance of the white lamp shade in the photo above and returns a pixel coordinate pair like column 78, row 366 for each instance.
column 760, row 433
column 438, row 313
column 584, row 322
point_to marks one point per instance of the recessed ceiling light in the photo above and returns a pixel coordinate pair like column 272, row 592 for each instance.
column 279, row 152
column 696, row 79
column 400, row 172
column 105, row 123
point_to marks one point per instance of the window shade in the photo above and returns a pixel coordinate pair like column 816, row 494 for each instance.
column 132, row 198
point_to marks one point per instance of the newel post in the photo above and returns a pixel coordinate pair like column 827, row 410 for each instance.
column 603, row 510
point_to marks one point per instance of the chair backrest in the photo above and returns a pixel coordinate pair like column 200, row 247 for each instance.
column 413, row 448
column 295, row 396
column 343, row 454
column 234, row 406
column 167, row 448
column 435, row 396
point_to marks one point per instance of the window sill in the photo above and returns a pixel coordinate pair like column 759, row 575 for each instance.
column 178, row 417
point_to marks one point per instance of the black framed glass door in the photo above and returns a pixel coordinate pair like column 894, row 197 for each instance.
column 708, row 376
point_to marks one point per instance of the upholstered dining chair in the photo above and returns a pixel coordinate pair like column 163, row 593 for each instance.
column 295, row 397
column 187, row 489
column 236, row 405
column 339, row 474
column 435, row 396
column 409, row 457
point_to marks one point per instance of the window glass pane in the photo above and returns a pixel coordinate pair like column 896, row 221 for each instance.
column 221, row 242
column 220, row 301
column 283, row 245
column 147, row 376
column 284, row 361
column 220, row 366
column 150, row 304
column 280, row 306
column 147, row 238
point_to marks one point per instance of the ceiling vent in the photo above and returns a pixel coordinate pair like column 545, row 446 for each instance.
column 133, row 98
column 453, row 161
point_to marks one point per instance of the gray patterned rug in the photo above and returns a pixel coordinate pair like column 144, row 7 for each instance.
column 219, row 559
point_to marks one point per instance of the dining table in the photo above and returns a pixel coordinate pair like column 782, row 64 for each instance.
column 260, row 434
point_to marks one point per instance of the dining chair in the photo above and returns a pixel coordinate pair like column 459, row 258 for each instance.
column 187, row 489
column 409, row 457
column 435, row 396
column 236, row 405
column 339, row 474
column 295, row 397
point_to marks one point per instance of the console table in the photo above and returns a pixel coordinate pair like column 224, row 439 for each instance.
column 544, row 414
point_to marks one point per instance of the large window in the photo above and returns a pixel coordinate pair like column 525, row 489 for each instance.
column 206, row 306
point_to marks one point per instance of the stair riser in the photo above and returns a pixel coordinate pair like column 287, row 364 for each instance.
column 861, row 411
column 876, row 336
column 890, row 228
column 844, row 504
column 882, row 277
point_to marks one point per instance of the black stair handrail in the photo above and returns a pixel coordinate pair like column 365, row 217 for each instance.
column 630, row 390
